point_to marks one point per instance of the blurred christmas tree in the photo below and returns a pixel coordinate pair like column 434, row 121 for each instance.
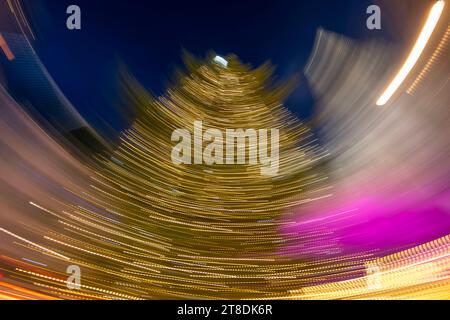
column 206, row 230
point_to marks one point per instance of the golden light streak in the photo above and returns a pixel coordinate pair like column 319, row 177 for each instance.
column 443, row 44
column 417, row 273
column 417, row 50
column 6, row 50
column 34, row 244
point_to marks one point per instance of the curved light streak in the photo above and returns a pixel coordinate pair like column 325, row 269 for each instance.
column 422, row 41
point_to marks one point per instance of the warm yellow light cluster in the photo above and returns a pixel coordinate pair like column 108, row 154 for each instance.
column 418, row 273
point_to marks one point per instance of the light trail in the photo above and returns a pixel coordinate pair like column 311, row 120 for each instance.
column 420, row 45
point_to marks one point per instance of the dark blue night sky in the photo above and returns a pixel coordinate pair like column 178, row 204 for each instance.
column 149, row 36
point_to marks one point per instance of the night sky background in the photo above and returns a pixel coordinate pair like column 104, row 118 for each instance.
column 149, row 37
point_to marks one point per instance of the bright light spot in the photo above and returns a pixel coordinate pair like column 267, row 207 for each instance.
column 422, row 41
column 221, row 61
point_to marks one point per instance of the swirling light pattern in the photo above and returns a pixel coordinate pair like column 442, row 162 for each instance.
column 365, row 214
